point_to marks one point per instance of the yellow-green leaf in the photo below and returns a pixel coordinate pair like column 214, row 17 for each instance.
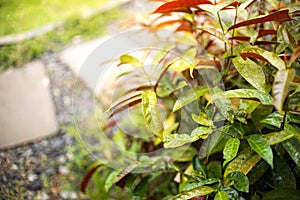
column 150, row 111
column 251, row 71
column 196, row 192
column 240, row 180
column 128, row 59
column 230, row 150
column 221, row 195
column 278, row 137
column 264, row 98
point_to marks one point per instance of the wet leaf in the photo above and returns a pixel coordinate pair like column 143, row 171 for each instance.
column 140, row 191
column 240, row 181
column 281, row 87
column 150, row 111
column 196, row 192
column 251, row 71
column 264, row 98
column 244, row 162
column 262, row 147
column 203, row 119
column 278, row 137
column 199, row 166
column 189, row 96
column 177, row 140
column 191, row 186
column 230, row 150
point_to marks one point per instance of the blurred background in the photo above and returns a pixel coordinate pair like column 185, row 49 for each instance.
column 42, row 46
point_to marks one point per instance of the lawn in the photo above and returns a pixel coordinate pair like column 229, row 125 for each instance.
column 22, row 15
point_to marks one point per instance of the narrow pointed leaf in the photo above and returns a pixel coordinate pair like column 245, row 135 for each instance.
column 177, row 140
column 230, row 150
column 180, row 65
column 240, row 181
column 295, row 55
column 203, row 119
column 282, row 15
column 88, row 176
column 262, row 147
column 251, row 71
column 244, row 162
column 264, row 98
column 179, row 4
column 117, row 175
column 196, row 192
column 189, row 96
column 221, row 195
column 208, row 181
column 281, row 87
column 150, row 111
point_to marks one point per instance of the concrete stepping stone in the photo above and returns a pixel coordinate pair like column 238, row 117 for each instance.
column 26, row 108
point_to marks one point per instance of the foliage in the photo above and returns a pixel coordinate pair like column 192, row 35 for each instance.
column 242, row 139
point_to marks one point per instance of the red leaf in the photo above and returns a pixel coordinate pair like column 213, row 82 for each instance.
column 185, row 26
column 179, row 5
column 125, row 107
column 210, row 63
column 295, row 54
column 231, row 5
column 87, row 177
column 241, row 38
column 246, row 55
column 264, row 32
column 167, row 23
column 280, row 16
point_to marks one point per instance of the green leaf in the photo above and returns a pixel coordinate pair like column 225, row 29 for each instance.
column 180, row 65
column 231, row 149
column 88, row 176
column 221, row 195
column 208, row 181
column 273, row 119
column 252, row 72
column 281, row 87
column 244, row 162
column 224, row 106
column 248, row 105
column 282, row 193
column 203, row 119
column 292, row 146
column 282, row 174
column 117, row 175
column 128, row 59
column 278, row 137
column 150, row 111
column 264, row 98
column 214, row 170
column 199, row 166
column 212, row 141
column 240, row 181
column 262, row 147
column 161, row 54
column 177, row 140
column 196, row 192
column 189, row 96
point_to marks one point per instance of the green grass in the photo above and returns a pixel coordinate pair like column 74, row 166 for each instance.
column 18, row 54
column 22, row 15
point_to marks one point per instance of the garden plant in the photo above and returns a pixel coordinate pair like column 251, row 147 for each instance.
column 224, row 114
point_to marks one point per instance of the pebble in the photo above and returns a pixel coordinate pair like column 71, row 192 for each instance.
column 63, row 170
column 68, row 195
column 35, row 185
column 32, row 177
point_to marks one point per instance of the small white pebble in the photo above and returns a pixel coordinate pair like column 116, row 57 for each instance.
column 14, row 167
column 68, row 195
column 32, row 177
column 63, row 170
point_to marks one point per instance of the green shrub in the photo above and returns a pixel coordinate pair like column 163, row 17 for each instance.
column 246, row 141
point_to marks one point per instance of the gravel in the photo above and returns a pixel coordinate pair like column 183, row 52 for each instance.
column 38, row 170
